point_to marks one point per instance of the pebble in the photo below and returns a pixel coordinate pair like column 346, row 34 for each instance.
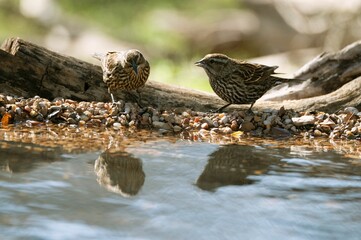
column 277, row 132
column 161, row 125
column 224, row 120
column 303, row 120
column 317, row 133
column 352, row 110
column 226, row 130
column 116, row 125
column 234, row 125
column 247, row 126
column 31, row 112
column 177, row 129
column 205, row 126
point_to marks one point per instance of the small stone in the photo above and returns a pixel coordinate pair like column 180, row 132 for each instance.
column 352, row 110
column 116, row 125
column 84, row 117
column 317, row 133
column 277, row 132
column 328, row 122
column 247, row 126
column 269, row 120
column 127, row 108
column 185, row 122
column 73, row 126
column 203, row 133
column 177, row 129
column 131, row 123
column 214, row 131
column 257, row 118
column 293, row 129
column 155, row 118
column 169, row 118
column 161, row 125
column 354, row 130
column 234, row 125
column 226, row 130
column 224, row 120
column 123, row 122
column 177, row 120
column 33, row 113
column 304, row 120
column 197, row 125
column 205, row 126
column 349, row 134
column 248, row 118
column 71, row 121
column 100, row 105
column 287, row 121
column 145, row 119
column 185, row 114
column 208, row 121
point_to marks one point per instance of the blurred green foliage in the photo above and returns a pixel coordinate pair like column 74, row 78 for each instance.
column 137, row 22
column 12, row 24
column 131, row 21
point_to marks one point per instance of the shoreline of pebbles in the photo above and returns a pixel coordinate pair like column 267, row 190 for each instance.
column 345, row 124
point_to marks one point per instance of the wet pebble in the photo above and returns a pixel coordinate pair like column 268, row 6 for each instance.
column 303, row 120
column 344, row 124
column 247, row 126
column 161, row 125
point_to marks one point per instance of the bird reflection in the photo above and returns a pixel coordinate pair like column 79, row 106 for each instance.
column 232, row 165
column 120, row 172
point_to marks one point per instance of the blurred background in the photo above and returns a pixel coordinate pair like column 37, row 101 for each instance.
column 174, row 34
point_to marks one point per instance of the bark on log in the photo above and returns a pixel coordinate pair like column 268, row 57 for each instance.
column 28, row 70
column 328, row 72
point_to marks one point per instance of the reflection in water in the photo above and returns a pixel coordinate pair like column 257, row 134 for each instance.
column 19, row 157
column 120, row 172
column 231, row 165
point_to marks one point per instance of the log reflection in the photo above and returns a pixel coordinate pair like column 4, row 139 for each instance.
column 18, row 157
column 232, row 165
column 120, row 172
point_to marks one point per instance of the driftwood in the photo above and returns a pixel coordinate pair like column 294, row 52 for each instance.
column 27, row 70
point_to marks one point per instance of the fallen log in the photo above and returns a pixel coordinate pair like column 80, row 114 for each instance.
column 27, row 70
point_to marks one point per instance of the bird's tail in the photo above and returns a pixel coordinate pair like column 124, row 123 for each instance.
column 98, row 56
column 290, row 81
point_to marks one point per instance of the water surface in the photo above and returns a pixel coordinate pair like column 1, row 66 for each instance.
column 178, row 189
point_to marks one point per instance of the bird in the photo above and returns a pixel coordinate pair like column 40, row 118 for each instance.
column 123, row 70
column 237, row 81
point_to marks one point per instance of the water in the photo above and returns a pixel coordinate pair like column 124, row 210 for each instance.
column 179, row 190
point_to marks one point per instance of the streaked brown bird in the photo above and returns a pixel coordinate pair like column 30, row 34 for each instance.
column 236, row 81
column 125, row 70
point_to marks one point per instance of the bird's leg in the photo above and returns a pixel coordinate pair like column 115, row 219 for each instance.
column 113, row 101
column 221, row 108
column 139, row 98
column 249, row 111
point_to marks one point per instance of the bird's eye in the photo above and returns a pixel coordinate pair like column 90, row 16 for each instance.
column 212, row 61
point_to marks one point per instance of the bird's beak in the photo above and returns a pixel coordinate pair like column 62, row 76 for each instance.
column 199, row 63
column 135, row 67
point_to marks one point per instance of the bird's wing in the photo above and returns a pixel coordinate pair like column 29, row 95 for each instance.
column 114, row 60
column 252, row 73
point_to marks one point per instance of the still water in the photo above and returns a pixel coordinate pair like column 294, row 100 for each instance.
column 179, row 190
